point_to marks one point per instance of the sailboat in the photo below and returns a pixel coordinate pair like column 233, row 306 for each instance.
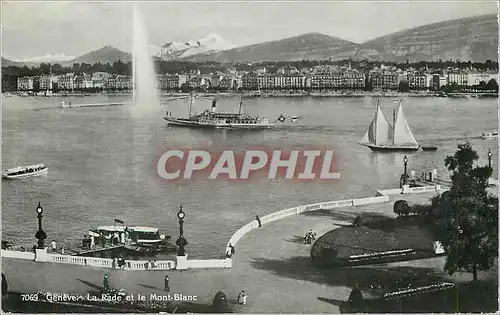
column 382, row 136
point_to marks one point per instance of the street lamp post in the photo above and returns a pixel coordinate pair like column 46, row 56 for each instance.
column 40, row 234
column 489, row 158
column 181, row 241
column 405, row 161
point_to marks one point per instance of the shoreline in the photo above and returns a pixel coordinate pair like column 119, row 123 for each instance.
column 267, row 95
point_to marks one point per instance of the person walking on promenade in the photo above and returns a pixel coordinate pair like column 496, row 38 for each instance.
column 53, row 245
column 106, row 283
column 258, row 220
column 242, row 298
column 233, row 251
column 228, row 252
column 167, row 284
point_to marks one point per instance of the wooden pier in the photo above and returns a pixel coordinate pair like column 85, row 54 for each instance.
column 63, row 105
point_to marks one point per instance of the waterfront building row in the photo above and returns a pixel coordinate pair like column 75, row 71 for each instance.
column 98, row 80
column 287, row 78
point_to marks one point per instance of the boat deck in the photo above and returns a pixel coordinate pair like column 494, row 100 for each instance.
column 94, row 250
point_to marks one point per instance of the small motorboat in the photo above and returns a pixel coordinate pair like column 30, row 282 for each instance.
column 294, row 118
column 489, row 135
column 429, row 148
column 25, row 171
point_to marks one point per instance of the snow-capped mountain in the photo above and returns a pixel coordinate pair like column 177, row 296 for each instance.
column 47, row 58
column 208, row 44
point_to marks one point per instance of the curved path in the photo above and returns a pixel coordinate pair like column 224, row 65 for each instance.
column 271, row 264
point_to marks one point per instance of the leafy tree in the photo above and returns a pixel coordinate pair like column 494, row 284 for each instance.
column 468, row 228
column 404, row 86
column 492, row 85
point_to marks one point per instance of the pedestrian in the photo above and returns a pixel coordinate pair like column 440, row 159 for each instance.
column 307, row 237
column 242, row 298
column 106, row 283
column 228, row 252
column 113, row 263
column 258, row 220
column 167, row 284
column 53, row 244
column 356, row 299
column 233, row 251
column 153, row 264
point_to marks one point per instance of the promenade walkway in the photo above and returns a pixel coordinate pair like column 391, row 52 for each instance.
column 271, row 264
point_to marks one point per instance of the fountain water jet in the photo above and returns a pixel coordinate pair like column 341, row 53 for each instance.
column 143, row 72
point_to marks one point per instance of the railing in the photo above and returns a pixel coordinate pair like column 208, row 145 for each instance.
column 209, row 263
column 108, row 263
column 301, row 209
column 18, row 254
column 422, row 189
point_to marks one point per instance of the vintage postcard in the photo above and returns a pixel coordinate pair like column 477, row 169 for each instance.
column 249, row 157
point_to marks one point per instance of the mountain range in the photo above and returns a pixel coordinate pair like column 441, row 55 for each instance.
column 472, row 38
column 174, row 50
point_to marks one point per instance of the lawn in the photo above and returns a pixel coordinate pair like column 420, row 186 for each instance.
column 469, row 297
column 378, row 234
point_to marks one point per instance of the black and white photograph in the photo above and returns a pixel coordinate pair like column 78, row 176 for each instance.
column 252, row 157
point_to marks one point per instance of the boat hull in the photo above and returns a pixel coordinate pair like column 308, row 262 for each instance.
column 378, row 148
column 25, row 175
column 195, row 124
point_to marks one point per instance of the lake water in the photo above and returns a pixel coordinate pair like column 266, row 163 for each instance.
column 101, row 161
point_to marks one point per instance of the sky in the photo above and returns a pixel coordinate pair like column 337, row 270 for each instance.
column 32, row 29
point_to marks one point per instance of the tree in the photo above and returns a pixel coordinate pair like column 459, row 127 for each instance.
column 492, row 85
column 403, row 86
column 469, row 225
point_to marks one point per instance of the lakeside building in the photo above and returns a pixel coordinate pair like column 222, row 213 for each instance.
column 418, row 81
column 250, row 81
column 459, row 77
column 46, row 82
column 99, row 79
column 215, row 80
column 261, row 70
column 25, row 84
column 227, row 83
column 287, row 70
column 124, row 82
column 66, row 82
column 83, row 81
column 477, row 78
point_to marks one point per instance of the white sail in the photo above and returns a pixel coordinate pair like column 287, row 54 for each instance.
column 402, row 132
column 368, row 137
column 379, row 132
column 383, row 130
